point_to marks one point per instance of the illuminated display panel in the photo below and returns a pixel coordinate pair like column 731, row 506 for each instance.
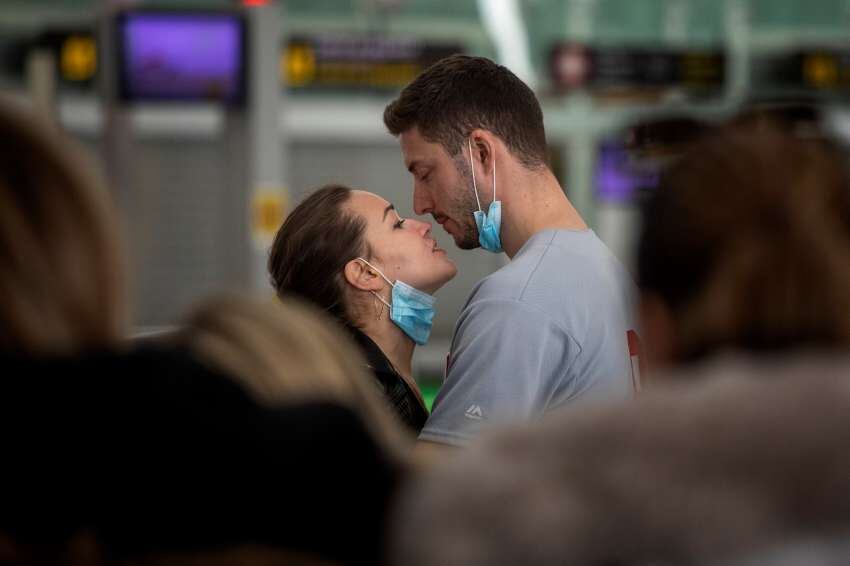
column 618, row 179
column 351, row 62
column 693, row 72
column 629, row 167
column 185, row 56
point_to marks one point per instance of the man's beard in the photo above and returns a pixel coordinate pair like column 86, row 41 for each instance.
column 462, row 208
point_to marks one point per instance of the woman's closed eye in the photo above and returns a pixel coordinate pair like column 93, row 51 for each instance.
column 399, row 222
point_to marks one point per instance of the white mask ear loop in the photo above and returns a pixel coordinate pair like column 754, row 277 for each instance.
column 494, row 179
column 472, row 168
column 385, row 279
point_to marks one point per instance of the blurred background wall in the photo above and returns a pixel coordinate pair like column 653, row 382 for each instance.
column 623, row 83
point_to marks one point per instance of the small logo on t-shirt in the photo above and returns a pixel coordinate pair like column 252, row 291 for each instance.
column 474, row 412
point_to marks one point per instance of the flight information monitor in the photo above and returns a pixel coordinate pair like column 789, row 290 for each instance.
column 181, row 56
column 629, row 166
column 620, row 179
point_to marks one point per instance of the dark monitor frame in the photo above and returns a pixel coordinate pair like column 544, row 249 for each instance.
column 121, row 70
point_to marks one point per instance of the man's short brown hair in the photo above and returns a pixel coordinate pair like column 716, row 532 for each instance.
column 461, row 93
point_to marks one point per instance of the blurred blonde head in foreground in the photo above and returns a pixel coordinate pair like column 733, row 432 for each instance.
column 284, row 352
column 61, row 271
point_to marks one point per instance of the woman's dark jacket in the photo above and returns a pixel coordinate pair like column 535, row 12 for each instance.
column 403, row 399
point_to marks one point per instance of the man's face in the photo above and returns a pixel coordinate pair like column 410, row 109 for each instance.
column 442, row 187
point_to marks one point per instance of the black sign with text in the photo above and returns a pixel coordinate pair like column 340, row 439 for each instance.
column 358, row 62
column 574, row 66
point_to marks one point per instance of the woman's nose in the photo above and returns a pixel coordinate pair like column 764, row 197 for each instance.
column 422, row 227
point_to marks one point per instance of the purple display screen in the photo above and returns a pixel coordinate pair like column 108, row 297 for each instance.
column 618, row 179
column 178, row 56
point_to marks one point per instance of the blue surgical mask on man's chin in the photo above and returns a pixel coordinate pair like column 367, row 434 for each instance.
column 488, row 227
column 490, row 223
column 411, row 310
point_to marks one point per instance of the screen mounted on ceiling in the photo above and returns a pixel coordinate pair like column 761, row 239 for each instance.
column 619, row 178
column 181, row 56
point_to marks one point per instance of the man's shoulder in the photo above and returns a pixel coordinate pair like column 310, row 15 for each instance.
column 551, row 264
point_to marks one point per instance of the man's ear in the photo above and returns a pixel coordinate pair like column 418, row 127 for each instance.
column 361, row 276
column 483, row 146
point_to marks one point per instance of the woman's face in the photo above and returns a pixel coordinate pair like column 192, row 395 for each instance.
column 402, row 248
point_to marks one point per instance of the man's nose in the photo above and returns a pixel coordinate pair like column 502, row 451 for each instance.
column 422, row 203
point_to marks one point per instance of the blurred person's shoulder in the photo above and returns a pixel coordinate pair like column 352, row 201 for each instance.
column 804, row 369
column 742, row 438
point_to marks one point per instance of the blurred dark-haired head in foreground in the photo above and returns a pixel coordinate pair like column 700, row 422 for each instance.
column 746, row 246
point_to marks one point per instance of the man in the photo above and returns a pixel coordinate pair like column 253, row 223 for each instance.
column 550, row 327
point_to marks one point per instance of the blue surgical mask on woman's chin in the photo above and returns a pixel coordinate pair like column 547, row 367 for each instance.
column 411, row 310
column 490, row 223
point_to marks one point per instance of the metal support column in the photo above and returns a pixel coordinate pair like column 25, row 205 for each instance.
column 258, row 133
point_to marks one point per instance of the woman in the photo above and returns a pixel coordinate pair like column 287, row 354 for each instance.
column 350, row 253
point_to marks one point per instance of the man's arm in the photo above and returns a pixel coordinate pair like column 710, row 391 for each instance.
column 506, row 360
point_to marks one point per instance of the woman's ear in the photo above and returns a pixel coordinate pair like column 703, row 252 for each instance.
column 361, row 276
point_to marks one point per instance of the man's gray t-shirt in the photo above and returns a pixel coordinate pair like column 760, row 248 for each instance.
column 547, row 329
